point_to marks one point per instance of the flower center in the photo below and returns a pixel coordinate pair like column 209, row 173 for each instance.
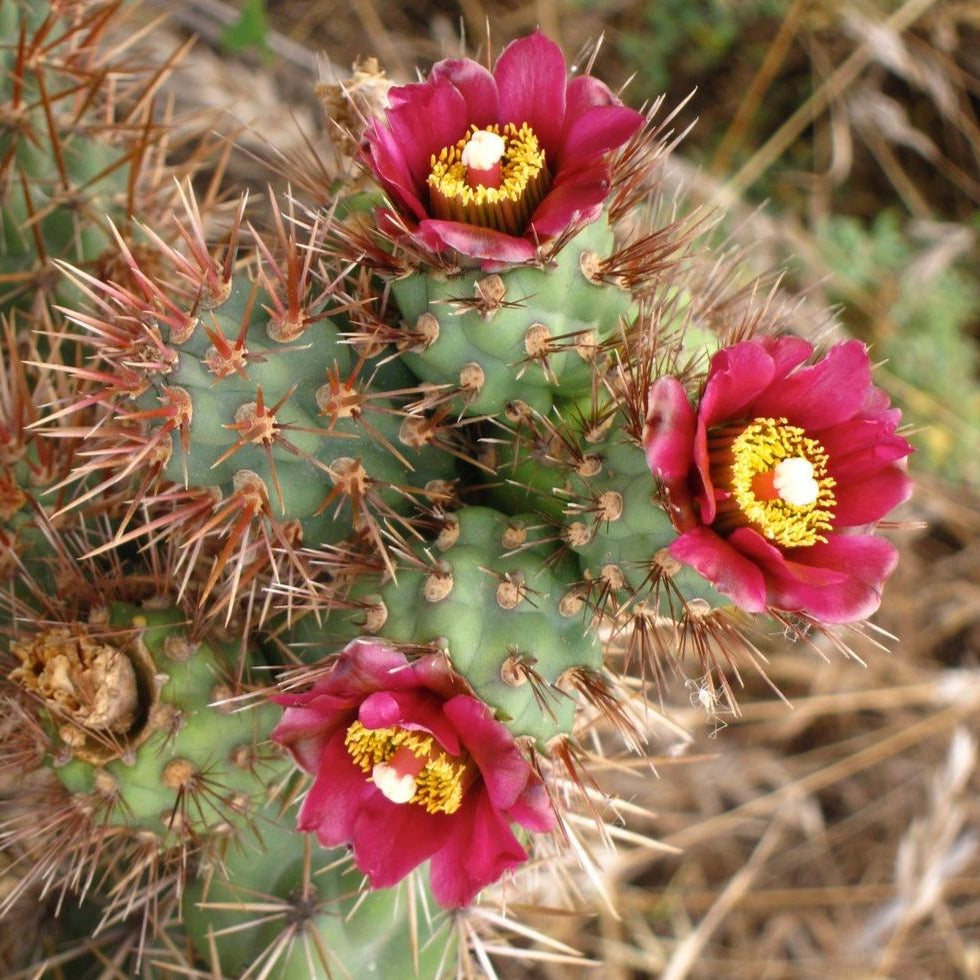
column 776, row 477
column 491, row 177
column 408, row 767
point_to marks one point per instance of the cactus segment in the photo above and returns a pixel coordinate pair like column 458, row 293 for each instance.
column 494, row 602
column 279, row 418
column 73, row 141
column 298, row 911
column 180, row 763
column 598, row 497
column 521, row 334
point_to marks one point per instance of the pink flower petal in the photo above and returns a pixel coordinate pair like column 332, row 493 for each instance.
column 475, row 84
column 865, row 501
column 861, row 447
column 533, row 808
column 392, row 839
column 478, row 243
column 778, row 566
column 304, row 733
column 369, row 665
column 668, row 434
column 531, row 76
column 584, row 92
column 599, row 130
column 730, row 572
column 823, row 394
column 575, row 198
column 427, row 118
column 860, row 563
column 786, row 353
column 479, row 848
column 504, row 770
column 384, row 156
column 415, row 710
column 736, row 377
column 703, row 489
column 338, row 792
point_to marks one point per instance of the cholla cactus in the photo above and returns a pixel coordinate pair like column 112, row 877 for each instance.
column 435, row 449
column 236, row 388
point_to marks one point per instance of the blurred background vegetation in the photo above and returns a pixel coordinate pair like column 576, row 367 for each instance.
column 839, row 837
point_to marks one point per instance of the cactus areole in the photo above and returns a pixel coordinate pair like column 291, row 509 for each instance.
column 491, row 164
column 408, row 767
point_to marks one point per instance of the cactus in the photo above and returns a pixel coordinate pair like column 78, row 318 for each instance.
column 253, row 413
column 524, row 333
column 302, row 916
column 438, row 451
column 82, row 147
column 497, row 604
column 78, row 145
column 151, row 755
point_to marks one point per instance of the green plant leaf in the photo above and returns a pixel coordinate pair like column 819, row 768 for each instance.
column 251, row 30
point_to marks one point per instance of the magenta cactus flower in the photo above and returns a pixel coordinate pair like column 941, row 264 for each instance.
column 493, row 164
column 777, row 477
column 408, row 766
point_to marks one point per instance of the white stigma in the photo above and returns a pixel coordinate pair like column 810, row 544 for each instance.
column 398, row 789
column 483, row 151
column 793, row 481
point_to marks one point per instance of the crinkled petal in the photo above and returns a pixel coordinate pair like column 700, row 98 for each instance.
column 366, row 665
column 530, row 74
column 391, row 839
column 736, row 377
column 338, row 792
column 860, row 562
column 504, row 769
column 433, row 116
column 730, row 572
column 304, row 733
column 598, row 130
column 822, row 394
column 865, row 501
column 478, row 849
column 533, row 809
column 384, row 156
column 575, row 198
column 363, row 665
column 668, row 434
column 475, row 84
column 778, row 566
column 861, row 447
column 432, row 672
column 786, row 352
column 479, row 243
column 414, row 710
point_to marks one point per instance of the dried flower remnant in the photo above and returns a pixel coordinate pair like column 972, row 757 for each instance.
column 81, row 679
column 349, row 105
column 777, row 475
column 408, row 767
column 493, row 164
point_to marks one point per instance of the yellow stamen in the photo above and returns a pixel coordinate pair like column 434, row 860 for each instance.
column 439, row 781
column 777, row 477
column 523, row 182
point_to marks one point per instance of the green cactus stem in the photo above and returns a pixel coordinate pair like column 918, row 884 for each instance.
column 299, row 912
column 496, row 603
column 143, row 726
column 522, row 333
